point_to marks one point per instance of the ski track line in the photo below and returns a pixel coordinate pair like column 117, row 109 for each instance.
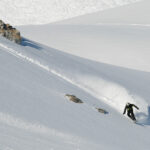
column 45, row 67
column 37, row 63
column 37, row 128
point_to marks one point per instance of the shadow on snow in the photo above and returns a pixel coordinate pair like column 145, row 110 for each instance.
column 26, row 42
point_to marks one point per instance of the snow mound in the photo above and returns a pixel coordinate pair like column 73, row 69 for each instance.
column 46, row 11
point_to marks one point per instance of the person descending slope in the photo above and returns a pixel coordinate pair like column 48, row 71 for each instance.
column 129, row 108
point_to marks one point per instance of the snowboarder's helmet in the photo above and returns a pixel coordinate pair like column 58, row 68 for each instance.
column 128, row 103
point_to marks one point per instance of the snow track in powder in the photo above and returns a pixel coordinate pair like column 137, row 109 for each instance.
column 102, row 89
column 37, row 63
column 35, row 127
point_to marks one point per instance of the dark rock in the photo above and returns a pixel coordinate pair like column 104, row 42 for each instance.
column 9, row 32
column 73, row 98
column 102, row 110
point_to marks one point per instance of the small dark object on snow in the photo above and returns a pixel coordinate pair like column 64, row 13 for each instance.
column 129, row 108
column 102, row 110
column 73, row 98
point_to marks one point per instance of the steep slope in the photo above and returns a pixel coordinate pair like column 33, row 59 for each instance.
column 122, row 32
column 98, row 42
column 36, row 77
column 46, row 11
column 34, row 112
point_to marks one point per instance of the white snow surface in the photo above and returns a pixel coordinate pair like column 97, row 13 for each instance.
column 136, row 14
column 111, row 68
column 36, row 115
column 102, row 43
column 26, row 12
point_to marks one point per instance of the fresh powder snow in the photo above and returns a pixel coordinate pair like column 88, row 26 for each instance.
column 105, row 64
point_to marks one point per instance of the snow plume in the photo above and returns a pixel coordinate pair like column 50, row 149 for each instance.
column 110, row 92
column 46, row 11
column 113, row 94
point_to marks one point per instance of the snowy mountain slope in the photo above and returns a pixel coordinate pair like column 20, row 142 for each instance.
column 34, row 112
column 133, row 14
column 98, row 42
column 32, row 88
column 88, row 36
column 38, row 78
column 46, row 11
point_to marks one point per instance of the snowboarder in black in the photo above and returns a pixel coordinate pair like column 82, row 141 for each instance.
column 129, row 108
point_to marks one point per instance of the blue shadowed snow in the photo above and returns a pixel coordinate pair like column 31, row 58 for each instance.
column 26, row 42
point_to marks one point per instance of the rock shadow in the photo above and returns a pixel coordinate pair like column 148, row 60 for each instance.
column 26, row 42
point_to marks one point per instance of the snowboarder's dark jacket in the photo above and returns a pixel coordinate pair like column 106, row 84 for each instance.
column 129, row 108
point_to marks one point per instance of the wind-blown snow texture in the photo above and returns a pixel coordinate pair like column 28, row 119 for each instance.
column 34, row 112
column 46, row 11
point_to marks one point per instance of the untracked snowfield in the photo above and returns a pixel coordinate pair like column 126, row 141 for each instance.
column 46, row 11
column 105, row 64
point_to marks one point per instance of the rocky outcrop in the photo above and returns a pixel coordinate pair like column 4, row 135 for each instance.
column 9, row 32
column 102, row 110
column 73, row 98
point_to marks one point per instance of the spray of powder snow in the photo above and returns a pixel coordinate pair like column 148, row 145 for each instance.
column 114, row 95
